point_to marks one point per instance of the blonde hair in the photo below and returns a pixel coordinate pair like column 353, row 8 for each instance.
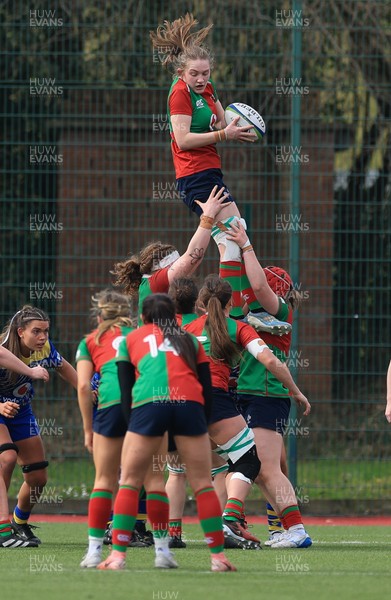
column 179, row 45
column 114, row 310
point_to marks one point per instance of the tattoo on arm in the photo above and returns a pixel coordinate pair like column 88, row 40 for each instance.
column 196, row 255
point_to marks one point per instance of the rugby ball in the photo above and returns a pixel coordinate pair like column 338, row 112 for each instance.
column 248, row 116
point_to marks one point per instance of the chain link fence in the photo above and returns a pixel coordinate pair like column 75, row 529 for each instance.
column 87, row 178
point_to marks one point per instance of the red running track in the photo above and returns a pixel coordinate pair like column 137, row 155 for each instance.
column 382, row 521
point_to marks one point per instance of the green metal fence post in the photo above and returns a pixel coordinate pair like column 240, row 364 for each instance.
column 294, row 246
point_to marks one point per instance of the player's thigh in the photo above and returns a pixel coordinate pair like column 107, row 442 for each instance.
column 284, row 462
column 31, row 450
column 196, row 456
column 137, row 457
column 154, row 480
column 31, row 454
column 107, row 456
column 8, row 458
column 269, row 447
column 223, row 431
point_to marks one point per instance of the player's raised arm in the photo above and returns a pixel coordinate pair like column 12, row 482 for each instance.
column 255, row 273
column 189, row 261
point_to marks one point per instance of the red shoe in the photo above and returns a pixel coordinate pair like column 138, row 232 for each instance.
column 244, row 527
column 236, row 531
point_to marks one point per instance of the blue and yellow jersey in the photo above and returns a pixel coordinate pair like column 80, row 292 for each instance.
column 21, row 390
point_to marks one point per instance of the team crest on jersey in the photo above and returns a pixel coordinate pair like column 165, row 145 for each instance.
column 22, row 390
column 200, row 103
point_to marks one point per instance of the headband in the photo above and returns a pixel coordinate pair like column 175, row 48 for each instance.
column 166, row 261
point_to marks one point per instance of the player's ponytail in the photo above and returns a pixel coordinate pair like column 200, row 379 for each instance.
column 294, row 298
column 214, row 296
column 176, row 43
column 159, row 309
column 184, row 293
column 113, row 309
column 129, row 273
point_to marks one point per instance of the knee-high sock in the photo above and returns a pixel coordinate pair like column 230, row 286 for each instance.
column 231, row 272
column 209, row 514
column 273, row 520
column 125, row 512
column 247, row 291
column 99, row 509
column 233, row 509
column 158, row 511
column 291, row 516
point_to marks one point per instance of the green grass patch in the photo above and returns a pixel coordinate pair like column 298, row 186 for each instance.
column 336, row 479
column 344, row 562
column 331, row 479
column 68, row 479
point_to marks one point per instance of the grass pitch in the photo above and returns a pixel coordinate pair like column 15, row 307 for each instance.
column 344, row 563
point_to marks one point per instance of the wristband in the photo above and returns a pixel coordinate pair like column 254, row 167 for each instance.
column 247, row 249
column 206, row 222
column 218, row 135
column 247, row 243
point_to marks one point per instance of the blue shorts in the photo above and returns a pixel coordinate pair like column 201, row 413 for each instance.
column 199, row 187
column 171, row 443
column 223, row 406
column 110, row 422
column 178, row 418
column 265, row 412
column 23, row 426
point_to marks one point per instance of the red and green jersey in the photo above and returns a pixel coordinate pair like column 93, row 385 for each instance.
column 182, row 100
column 152, row 284
column 183, row 320
column 161, row 374
column 102, row 356
column 254, row 378
column 240, row 333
